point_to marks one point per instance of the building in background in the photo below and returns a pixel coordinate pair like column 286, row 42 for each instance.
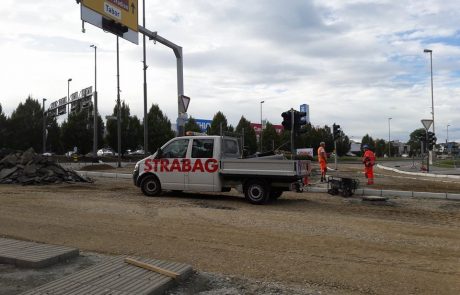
column 306, row 108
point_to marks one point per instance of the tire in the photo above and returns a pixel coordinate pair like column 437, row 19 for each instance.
column 257, row 192
column 275, row 194
column 151, row 186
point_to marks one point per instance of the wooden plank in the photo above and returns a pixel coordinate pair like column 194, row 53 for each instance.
column 152, row 267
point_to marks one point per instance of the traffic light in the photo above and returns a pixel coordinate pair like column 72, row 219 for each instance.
column 336, row 131
column 300, row 119
column 287, row 120
column 431, row 140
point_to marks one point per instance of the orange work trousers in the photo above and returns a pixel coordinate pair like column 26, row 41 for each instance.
column 369, row 172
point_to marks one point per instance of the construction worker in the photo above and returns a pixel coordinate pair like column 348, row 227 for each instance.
column 369, row 162
column 322, row 159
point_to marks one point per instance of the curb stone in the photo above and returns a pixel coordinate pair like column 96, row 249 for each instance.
column 312, row 189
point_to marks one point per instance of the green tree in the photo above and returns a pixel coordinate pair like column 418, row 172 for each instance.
column 53, row 136
column 3, row 128
column 130, row 129
column 25, row 126
column 414, row 141
column 250, row 138
column 380, row 147
column 77, row 132
column 270, row 139
column 369, row 141
column 192, row 125
column 159, row 128
column 219, row 118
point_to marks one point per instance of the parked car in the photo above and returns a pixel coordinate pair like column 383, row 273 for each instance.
column 104, row 152
column 137, row 152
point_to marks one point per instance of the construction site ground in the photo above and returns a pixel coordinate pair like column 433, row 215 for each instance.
column 304, row 243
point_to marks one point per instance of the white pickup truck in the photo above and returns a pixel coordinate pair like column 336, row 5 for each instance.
column 215, row 164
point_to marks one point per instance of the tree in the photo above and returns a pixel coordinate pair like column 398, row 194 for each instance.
column 130, row 129
column 219, row 118
column 192, row 125
column 53, row 136
column 3, row 128
column 270, row 139
column 76, row 132
column 25, row 126
column 380, row 147
column 159, row 128
column 250, row 138
column 414, row 140
column 369, row 141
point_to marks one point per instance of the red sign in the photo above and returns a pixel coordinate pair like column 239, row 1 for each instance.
column 121, row 3
column 257, row 129
column 184, row 165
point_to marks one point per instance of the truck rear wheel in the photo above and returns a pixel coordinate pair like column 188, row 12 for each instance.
column 257, row 192
column 150, row 186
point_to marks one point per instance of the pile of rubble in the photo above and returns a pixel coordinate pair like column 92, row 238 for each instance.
column 31, row 168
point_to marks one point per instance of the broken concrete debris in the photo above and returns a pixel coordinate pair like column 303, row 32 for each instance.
column 31, row 168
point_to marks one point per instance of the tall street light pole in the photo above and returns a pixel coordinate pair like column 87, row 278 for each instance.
column 95, row 103
column 44, row 127
column 447, row 138
column 68, row 96
column 431, row 66
column 146, row 130
column 261, row 125
column 118, row 106
column 389, row 137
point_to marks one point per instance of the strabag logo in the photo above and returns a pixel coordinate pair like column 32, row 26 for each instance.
column 183, row 165
column 121, row 3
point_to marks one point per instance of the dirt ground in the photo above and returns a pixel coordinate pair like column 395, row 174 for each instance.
column 306, row 243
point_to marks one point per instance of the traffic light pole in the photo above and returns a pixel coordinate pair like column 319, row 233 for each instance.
column 292, row 134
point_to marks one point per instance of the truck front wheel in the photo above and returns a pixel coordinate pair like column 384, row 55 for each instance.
column 150, row 186
column 257, row 192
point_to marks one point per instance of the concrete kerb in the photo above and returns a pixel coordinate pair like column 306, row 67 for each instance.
column 313, row 189
column 418, row 173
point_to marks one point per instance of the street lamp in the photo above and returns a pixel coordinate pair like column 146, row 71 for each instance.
column 389, row 137
column 431, row 66
column 95, row 102
column 44, row 127
column 261, row 125
column 68, row 96
column 447, row 139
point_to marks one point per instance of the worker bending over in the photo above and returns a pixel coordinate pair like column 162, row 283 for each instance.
column 369, row 162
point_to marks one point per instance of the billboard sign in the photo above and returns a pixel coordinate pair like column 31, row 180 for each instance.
column 119, row 17
column 204, row 124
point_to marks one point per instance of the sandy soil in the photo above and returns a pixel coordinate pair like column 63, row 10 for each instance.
column 305, row 241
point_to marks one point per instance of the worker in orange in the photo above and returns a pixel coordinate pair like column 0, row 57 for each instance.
column 369, row 162
column 322, row 159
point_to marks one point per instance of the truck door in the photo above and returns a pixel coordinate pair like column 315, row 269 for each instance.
column 204, row 165
column 169, row 166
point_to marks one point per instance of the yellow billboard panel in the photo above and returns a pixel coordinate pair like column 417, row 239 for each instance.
column 124, row 12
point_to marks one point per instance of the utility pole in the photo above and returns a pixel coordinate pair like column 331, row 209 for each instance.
column 292, row 134
column 44, row 126
column 118, row 106
column 146, row 130
column 95, row 104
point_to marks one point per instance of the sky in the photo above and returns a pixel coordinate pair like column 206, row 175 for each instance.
column 356, row 63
